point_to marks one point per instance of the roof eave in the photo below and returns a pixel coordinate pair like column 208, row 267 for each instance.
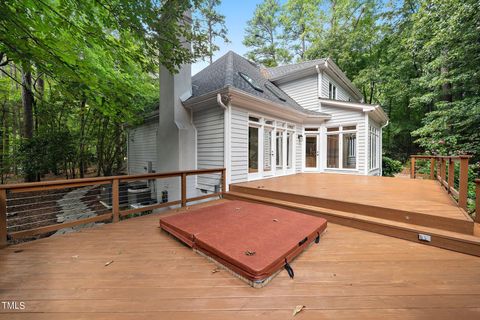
column 258, row 104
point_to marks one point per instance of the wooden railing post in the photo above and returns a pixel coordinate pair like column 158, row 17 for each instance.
column 3, row 218
column 115, row 200
column 443, row 170
column 463, row 183
column 412, row 167
column 477, row 200
column 451, row 174
column 432, row 168
column 184, row 189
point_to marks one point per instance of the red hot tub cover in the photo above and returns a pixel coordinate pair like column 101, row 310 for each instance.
column 253, row 240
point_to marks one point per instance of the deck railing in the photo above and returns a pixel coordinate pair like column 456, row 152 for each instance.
column 477, row 200
column 446, row 174
column 31, row 209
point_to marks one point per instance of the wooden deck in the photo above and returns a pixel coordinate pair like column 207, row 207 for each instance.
column 352, row 274
column 397, row 207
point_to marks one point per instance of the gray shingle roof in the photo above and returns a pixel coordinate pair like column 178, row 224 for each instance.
column 279, row 71
column 224, row 72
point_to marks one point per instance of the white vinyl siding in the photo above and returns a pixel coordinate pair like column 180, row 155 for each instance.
column 298, row 149
column 210, row 145
column 142, row 148
column 345, row 117
column 239, row 145
column 304, row 91
column 341, row 93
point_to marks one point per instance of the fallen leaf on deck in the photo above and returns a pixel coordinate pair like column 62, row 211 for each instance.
column 275, row 220
column 297, row 309
column 108, row 263
column 215, row 270
column 75, row 257
column 250, row 253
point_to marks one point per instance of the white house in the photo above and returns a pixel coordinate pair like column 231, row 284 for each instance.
column 259, row 122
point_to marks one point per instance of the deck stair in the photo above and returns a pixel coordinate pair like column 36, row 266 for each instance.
column 443, row 232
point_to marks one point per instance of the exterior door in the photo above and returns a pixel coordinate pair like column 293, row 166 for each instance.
column 312, row 159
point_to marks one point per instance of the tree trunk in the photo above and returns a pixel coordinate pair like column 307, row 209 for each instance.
column 446, row 87
column 83, row 121
column 27, row 102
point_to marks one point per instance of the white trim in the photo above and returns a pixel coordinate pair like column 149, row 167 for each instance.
column 227, row 145
column 367, row 144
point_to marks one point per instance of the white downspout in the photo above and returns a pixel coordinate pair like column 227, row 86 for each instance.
column 226, row 139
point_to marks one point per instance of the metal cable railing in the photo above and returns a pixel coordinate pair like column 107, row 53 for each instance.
column 31, row 210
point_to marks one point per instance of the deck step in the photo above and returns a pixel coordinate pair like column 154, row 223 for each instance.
column 454, row 241
column 416, row 218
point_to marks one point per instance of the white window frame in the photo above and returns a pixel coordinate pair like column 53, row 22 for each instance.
column 277, row 126
column 332, row 91
column 340, row 132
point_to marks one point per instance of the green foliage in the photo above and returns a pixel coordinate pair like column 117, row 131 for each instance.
column 390, row 167
column 263, row 35
column 300, row 20
column 94, row 66
column 211, row 23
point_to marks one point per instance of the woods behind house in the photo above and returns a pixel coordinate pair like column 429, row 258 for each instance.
column 74, row 74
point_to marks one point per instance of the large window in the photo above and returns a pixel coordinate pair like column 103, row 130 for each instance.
column 289, row 149
column 271, row 147
column 252, row 149
column 342, row 147
column 374, row 147
column 279, row 153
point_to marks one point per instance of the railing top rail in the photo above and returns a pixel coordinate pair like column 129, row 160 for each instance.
column 68, row 182
column 440, row 157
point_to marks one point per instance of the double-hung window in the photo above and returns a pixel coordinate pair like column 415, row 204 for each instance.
column 332, row 91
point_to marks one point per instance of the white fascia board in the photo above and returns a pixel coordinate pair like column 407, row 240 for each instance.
column 348, row 104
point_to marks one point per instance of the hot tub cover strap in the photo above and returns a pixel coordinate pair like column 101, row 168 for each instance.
column 289, row 269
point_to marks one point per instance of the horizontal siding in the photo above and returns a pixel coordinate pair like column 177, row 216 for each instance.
column 298, row 149
column 342, row 94
column 210, row 145
column 239, row 145
column 304, row 91
column 344, row 116
column 142, row 148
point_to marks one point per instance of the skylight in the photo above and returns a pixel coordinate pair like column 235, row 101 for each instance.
column 275, row 92
column 250, row 81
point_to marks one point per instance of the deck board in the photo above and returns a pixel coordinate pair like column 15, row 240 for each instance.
column 352, row 274
column 416, row 195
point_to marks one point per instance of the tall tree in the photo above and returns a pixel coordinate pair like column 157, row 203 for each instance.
column 263, row 35
column 301, row 20
column 209, row 21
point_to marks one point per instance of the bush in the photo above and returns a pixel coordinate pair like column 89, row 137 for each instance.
column 390, row 167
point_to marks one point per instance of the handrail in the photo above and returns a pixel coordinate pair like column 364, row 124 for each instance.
column 116, row 212
column 447, row 180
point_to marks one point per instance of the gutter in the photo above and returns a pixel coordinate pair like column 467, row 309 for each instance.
column 220, row 102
